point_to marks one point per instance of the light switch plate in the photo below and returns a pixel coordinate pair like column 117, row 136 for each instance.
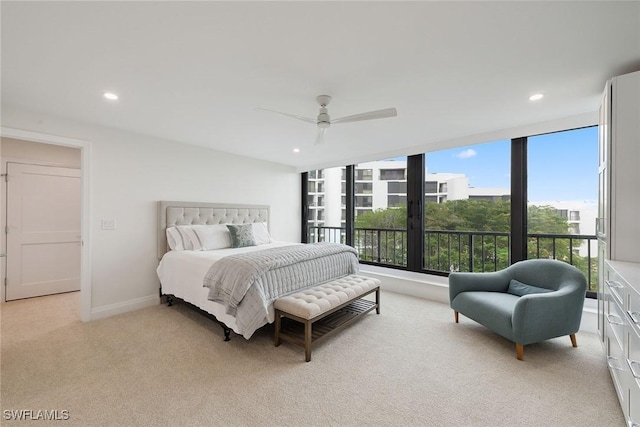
column 108, row 224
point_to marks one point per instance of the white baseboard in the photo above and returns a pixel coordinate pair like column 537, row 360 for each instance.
column 124, row 307
column 436, row 288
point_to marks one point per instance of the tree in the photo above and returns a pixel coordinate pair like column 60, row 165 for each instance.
column 545, row 220
column 466, row 235
column 381, row 235
column 390, row 218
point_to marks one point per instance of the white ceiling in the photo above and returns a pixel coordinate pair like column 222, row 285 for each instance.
column 194, row 72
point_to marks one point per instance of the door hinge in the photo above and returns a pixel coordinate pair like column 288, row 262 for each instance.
column 6, row 229
column 6, row 177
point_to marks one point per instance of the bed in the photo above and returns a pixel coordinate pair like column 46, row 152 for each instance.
column 187, row 258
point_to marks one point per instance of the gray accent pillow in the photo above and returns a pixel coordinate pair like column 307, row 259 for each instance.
column 241, row 235
column 521, row 289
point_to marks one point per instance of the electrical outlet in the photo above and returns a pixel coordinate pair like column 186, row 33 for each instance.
column 108, row 224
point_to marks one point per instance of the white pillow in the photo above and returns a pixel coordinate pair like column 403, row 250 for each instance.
column 212, row 237
column 183, row 238
column 208, row 237
column 261, row 233
column 174, row 239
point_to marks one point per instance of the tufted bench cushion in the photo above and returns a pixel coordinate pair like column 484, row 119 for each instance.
column 312, row 302
column 338, row 301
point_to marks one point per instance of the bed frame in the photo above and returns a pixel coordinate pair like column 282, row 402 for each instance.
column 171, row 213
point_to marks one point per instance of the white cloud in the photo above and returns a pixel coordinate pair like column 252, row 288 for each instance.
column 467, row 153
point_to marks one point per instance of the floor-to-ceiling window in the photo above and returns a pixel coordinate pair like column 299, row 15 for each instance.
column 467, row 208
column 474, row 208
column 380, row 195
column 562, row 198
column 324, row 210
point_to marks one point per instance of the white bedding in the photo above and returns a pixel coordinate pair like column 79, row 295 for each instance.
column 182, row 274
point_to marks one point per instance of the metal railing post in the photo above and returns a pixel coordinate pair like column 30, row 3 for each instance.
column 470, row 252
column 366, row 240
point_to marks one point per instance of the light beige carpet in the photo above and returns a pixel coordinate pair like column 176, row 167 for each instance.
column 409, row 366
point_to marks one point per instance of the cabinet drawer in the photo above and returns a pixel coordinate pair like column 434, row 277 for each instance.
column 634, row 407
column 633, row 308
column 615, row 320
column 618, row 367
column 633, row 379
column 616, row 287
column 633, row 356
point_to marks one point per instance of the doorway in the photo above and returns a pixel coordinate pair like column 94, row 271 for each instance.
column 83, row 244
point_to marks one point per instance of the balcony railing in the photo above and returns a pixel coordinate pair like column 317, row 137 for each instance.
column 471, row 251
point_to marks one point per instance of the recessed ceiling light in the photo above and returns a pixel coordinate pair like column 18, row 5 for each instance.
column 536, row 97
column 296, row 150
column 111, row 96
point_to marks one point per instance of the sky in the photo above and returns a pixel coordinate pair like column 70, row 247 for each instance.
column 563, row 166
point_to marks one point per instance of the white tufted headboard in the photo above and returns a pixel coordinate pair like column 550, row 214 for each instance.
column 171, row 214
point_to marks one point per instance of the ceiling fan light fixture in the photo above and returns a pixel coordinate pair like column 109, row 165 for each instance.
column 323, row 121
column 323, row 100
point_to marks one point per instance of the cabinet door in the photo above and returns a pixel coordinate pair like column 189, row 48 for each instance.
column 604, row 136
column 623, row 156
column 603, row 275
column 633, row 360
column 634, row 407
column 603, row 204
column 618, row 368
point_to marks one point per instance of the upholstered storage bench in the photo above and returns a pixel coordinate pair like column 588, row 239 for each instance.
column 322, row 310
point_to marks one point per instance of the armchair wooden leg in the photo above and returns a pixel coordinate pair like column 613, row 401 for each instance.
column 519, row 351
column 574, row 342
column 455, row 315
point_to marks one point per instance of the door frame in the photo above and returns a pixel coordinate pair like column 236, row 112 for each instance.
column 85, row 203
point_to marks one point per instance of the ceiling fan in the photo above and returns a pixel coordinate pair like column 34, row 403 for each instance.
column 323, row 121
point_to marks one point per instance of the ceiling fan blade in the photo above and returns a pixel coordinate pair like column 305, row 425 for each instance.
column 320, row 136
column 293, row 116
column 378, row 114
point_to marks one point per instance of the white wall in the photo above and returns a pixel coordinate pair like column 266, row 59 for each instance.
column 130, row 173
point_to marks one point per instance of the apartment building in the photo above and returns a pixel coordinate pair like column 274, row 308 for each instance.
column 380, row 185
column 581, row 217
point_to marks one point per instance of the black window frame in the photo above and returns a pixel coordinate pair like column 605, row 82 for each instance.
column 415, row 181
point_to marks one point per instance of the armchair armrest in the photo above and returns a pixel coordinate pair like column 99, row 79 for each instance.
column 490, row 282
column 538, row 317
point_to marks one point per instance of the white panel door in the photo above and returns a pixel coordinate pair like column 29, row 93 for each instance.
column 43, row 230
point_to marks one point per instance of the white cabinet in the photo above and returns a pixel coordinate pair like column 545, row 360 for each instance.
column 618, row 222
column 618, row 231
column 619, row 168
column 622, row 334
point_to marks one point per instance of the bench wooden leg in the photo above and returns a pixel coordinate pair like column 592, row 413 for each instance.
column 574, row 342
column 455, row 315
column 346, row 313
column 276, row 339
column 519, row 351
column 307, row 341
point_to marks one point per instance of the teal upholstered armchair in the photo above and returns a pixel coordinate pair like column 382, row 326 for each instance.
column 527, row 302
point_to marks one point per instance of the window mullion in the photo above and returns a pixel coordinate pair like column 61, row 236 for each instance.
column 350, row 205
column 304, row 230
column 518, row 199
column 415, row 212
